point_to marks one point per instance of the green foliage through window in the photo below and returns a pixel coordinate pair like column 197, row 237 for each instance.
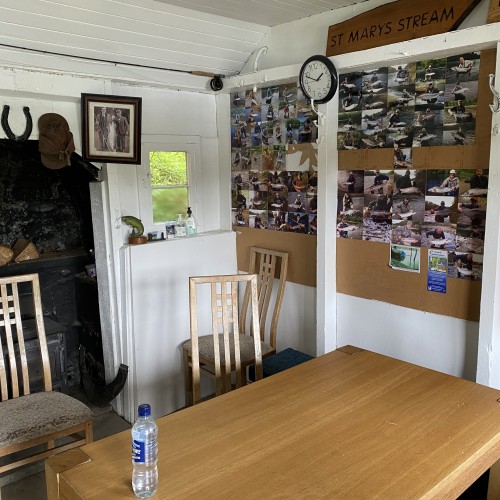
column 169, row 183
column 168, row 168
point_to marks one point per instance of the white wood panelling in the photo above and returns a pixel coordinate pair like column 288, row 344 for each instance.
column 266, row 12
column 147, row 33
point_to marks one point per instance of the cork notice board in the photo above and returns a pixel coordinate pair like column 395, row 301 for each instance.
column 363, row 266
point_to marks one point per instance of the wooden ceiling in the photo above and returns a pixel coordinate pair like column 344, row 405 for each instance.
column 265, row 12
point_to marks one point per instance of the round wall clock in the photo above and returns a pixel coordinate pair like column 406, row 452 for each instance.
column 318, row 79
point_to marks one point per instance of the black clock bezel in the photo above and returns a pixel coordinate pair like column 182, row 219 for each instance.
column 333, row 73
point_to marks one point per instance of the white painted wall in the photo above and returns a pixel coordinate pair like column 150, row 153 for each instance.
column 435, row 341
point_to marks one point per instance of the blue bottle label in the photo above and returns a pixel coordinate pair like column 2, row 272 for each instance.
column 139, row 451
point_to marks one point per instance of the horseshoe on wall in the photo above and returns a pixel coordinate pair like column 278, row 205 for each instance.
column 5, row 124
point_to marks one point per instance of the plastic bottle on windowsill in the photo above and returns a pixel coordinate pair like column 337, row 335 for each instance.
column 180, row 227
column 190, row 223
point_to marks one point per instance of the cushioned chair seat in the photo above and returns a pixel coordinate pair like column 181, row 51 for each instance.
column 206, row 348
column 35, row 415
column 283, row 360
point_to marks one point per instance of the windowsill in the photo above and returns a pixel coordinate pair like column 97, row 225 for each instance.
column 178, row 240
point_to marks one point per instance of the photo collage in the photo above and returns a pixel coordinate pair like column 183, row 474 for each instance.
column 270, row 188
column 411, row 208
column 426, row 103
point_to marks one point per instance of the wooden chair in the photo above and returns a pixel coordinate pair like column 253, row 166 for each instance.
column 34, row 425
column 226, row 350
column 270, row 266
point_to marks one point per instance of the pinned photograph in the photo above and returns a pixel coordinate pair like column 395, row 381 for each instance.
column 257, row 219
column 373, row 138
column 351, row 181
column 240, row 217
column 280, row 157
column 255, row 134
column 472, row 211
column 378, row 181
column 253, row 99
column 441, row 209
column 467, row 266
column 378, row 208
column 298, row 223
column 409, row 182
column 404, row 258
column 470, row 239
column 474, row 182
column 279, row 133
column 277, row 220
column 255, row 153
column 373, row 230
column 402, row 75
column 374, row 79
column 455, row 134
column 352, row 230
column 463, row 68
column 408, row 207
column 258, row 200
column 239, row 180
column 349, row 121
column 442, row 182
column 400, row 118
column 299, row 181
column 297, row 202
column 402, row 157
column 348, row 140
column 406, row 233
column 402, row 137
column 278, row 200
column 438, row 236
column 430, row 70
column 349, row 83
column 372, row 119
column 350, row 206
column 430, row 94
column 461, row 91
column 267, row 135
column 239, row 199
column 257, row 181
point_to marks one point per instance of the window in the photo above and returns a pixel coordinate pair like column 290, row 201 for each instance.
column 169, row 180
column 169, row 184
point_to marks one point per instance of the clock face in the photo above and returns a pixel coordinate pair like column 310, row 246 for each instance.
column 318, row 79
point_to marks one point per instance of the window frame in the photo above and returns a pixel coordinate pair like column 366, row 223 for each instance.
column 191, row 146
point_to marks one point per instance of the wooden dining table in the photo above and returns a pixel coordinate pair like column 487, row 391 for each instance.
column 351, row 424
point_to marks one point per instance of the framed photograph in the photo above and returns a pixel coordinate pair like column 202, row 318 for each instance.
column 111, row 128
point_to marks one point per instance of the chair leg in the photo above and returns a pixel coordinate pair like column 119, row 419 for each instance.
column 89, row 433
column 188, row 379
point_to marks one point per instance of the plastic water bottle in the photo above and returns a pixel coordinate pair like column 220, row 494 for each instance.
column 144, row 454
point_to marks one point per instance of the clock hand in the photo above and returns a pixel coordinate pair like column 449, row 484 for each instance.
column 317, row 79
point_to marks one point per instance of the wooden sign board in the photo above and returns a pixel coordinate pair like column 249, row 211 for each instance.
column 494, row 11
column 396, row 22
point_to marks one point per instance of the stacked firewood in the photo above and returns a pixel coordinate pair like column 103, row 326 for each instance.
column 21, row 251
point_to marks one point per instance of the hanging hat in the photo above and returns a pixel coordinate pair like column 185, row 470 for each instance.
column 55, row 141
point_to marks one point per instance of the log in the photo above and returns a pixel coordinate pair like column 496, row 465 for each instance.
column 24, row 250
column 6, row 255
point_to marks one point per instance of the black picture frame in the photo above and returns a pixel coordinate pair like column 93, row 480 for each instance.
column 111, row 128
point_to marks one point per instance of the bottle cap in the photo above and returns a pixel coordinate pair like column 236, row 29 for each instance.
column 144, row 410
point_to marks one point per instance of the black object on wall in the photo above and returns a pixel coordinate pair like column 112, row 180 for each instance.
column 49, row 207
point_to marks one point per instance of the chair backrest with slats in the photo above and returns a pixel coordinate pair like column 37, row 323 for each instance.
column 270, row 266
column 14, row 372
column 224, row 321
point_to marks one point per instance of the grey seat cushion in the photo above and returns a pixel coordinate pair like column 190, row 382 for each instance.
column 39, row 414
column 247, row 353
